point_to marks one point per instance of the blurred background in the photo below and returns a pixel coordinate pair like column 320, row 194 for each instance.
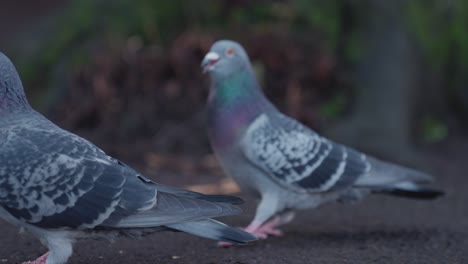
column 387, row 77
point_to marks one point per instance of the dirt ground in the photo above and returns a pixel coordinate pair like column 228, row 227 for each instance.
column 380, row 229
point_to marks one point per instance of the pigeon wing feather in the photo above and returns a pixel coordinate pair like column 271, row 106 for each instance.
column 297, row 157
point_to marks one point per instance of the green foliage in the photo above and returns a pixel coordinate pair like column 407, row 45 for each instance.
column 355, row 47
column 107, row 20
column 159, row 21
column 86, row 23
column 334, row 107
column 323, row 15
column 433, row 129
column 441, row 27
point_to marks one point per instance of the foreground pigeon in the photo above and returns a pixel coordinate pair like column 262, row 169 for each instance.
column 61, row 188
column 282, row 162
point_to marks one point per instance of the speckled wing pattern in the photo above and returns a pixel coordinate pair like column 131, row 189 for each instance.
column 53, row 179
column 297, row 156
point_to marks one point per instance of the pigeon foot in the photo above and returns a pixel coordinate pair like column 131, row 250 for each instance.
column 40, row 260
column 270, row 228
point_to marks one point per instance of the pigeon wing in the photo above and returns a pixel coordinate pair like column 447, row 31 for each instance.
column 296, row 156
column 52, row 179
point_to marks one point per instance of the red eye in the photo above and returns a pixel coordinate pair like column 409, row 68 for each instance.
column 230, row 52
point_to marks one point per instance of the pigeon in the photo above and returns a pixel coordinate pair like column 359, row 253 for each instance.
column 284, row 164
column 62, row 188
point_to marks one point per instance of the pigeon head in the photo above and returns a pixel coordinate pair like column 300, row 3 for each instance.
column 12, row 95
column 225, row 58
column 233, row 81
column 235, row 97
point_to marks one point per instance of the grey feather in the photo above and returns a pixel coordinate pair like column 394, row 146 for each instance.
column 211, row 198
column 60, row 186
column 175, row 209
column 384, row 173
column 56, row 179
column 298, row 157
column 214, row 230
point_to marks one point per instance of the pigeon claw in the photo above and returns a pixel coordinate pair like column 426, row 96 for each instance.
column 223, row 244
column 40, row 260
column 262, row 232
column 266, row 230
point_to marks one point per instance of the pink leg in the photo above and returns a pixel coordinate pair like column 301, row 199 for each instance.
column 40, row 260
column 269, row 228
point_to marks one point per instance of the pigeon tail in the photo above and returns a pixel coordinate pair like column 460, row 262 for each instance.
column 412, row 190
column 215, row 198
column 385, row 174
column 215, row 230
column 173, row 209
column 387, row 178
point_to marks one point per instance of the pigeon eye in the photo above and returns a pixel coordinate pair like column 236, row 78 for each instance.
column 230, row 52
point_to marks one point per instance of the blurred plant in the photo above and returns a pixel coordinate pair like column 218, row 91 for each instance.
column 89, row 23
column 323, row 15
column 433, row 129
column 160, row 21
column 334, row 107
column 441, row 27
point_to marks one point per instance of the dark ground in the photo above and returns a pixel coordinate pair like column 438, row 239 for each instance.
column 380, row 229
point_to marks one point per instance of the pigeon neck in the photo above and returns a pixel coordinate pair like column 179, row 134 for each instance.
column 232, row 105
column 238, row 88
column 12, row 99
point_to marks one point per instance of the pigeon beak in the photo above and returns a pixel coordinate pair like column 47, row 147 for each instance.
column 209, row 61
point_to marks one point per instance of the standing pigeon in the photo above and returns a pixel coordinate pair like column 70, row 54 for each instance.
column 61, row 188
column 282, row 162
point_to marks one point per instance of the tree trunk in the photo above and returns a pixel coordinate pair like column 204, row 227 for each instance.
column 386, row 79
